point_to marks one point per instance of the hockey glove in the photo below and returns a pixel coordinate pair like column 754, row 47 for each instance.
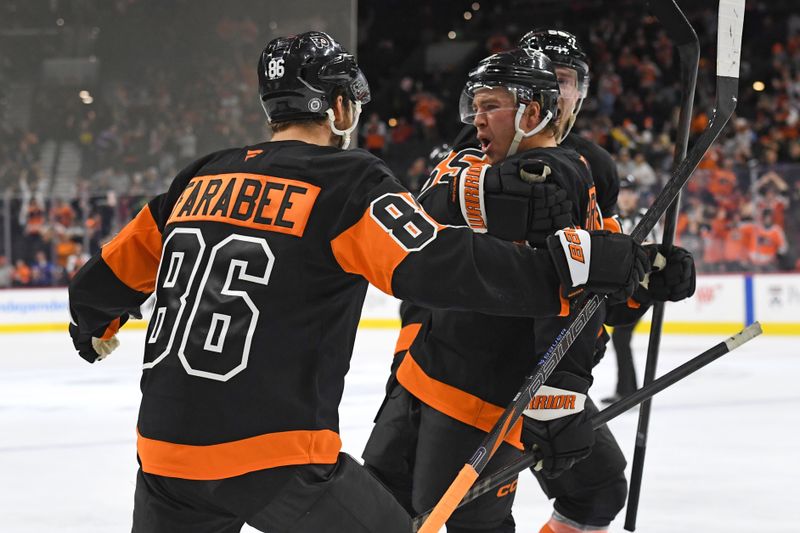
column 674, row 282
column 599, row 261
column 550, row 208
column 97, row 345
column 511, row 200
column 556, row 423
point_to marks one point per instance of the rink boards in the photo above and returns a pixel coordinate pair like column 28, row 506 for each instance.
column 722, row 304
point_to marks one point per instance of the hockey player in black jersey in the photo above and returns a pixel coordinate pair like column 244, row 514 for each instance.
column 259, row 258
column 572, row 68
column 589, row 496
column 455, row 371
column 592, row 492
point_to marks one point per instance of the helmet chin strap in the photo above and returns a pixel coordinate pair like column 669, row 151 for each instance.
column 344, row 133
column 520, row 134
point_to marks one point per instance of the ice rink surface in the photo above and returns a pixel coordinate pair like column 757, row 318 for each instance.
column 722, row 454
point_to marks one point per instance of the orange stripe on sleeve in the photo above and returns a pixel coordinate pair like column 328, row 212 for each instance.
column 564, row 310
column 229, row 459
column 111, row 330
column 454, row 402
column 406, row 338
column 134, row 254
column 367, row 249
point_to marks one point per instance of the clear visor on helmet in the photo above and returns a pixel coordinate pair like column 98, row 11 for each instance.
column 583, row 85
column 343, row 69
column 360, row 88
column 482, row 98
column 571, row 84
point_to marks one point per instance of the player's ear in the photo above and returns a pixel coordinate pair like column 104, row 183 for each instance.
column 532, row 116
column 342, row 112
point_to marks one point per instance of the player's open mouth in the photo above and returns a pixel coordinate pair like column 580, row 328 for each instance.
column 485, row 144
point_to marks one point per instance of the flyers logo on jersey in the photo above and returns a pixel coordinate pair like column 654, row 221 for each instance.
column 263, row 202
column 450, row 167
column 252, row 153
column 575, row 249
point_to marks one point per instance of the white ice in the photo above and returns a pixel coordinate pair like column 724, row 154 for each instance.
column 722, row 454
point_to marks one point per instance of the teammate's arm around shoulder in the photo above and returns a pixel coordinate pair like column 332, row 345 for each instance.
column 514, row 200
column 390, row 240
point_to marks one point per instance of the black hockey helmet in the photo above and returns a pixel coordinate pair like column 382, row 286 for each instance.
column 563, row 50
column 528, row 75
column 298, row 76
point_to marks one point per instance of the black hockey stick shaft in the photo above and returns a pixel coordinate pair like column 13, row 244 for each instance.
column 509, row 472
column 731, row 20
column 727, row 86
column 685, row 39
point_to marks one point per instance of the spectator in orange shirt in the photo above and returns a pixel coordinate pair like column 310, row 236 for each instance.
column 65, row 247
column 722, row 181
column 714, row 239
column 770, row 243
column 374, row 132
column 426, row 107
column 649, row 73
column 63, row 215
column 739, row 243
column 35, row 227
column 772, row 195
column 22, row 274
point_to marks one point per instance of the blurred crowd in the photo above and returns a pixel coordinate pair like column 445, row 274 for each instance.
column 148, row 115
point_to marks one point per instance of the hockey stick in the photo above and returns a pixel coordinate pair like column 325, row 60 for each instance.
column 529, row 459
column 730, row 31
column 685, row 39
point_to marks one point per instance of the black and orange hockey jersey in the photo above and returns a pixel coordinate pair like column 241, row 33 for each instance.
column 468, row 364
column 604, row 176
column 259, row 258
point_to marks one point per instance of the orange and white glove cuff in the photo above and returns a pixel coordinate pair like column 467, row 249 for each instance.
column 470, row 197
column 577, row 246
column 551, row 403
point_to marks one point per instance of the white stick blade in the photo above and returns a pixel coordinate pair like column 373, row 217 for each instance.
column 729, row 37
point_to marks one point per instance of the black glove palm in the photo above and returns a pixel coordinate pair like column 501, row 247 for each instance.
column 561, row 443
column 568, row 436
